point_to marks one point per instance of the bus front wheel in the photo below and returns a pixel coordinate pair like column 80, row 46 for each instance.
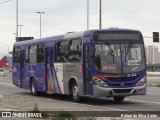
column 119, row 98
column 75, row 92
column 33, row 88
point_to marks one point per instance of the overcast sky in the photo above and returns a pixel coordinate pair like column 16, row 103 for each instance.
column 63, row 16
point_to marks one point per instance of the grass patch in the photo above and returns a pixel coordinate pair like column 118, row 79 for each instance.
column 158, row 85
column 36, row 110
column 64, row 116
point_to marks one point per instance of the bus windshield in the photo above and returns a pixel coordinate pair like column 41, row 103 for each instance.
column 119, row 58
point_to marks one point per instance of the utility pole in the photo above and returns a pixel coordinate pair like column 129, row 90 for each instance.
column 20, row 29
column 40, row 22
column 100, row 14
column 17, row 18
column 15, row 35
column 87, row 14
column 8, row 54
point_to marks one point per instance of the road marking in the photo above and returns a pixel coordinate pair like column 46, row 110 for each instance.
column 7, row 109
column 1, row 96
column 89, row 105
column 6, row 84
column 111, row 109
column 143, row 101
column 7, row 78
column 72, row 103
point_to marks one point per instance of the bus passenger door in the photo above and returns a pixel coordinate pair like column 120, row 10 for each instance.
column 22, row 71
column 49, row 77
column 88, row 87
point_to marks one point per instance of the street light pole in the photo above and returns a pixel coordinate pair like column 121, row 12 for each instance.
column 15, row 35
column 17, row 18
column 20, row 29
column 8, row 54
column 40, row 22
column 87, row 14
column 100, row 14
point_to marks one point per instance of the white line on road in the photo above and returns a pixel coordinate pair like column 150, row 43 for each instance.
column 90, row 105
column 6, row 78
column 143, row 101
column 4, row 109
column 1, row 96
column 73, row 103
column 97, row 106
column 6, row 84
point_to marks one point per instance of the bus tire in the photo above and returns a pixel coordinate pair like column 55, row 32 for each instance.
column 33, row 88
column 119, row 98
column 75, row 92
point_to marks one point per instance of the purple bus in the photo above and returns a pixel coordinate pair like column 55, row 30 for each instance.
column 96, row 63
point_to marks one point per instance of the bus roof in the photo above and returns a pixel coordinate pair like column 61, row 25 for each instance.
column 40, row 40
column 69, row 35
column 115, row 29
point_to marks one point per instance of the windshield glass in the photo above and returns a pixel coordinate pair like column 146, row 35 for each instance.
column 119, row 58
column 133, row 57
column 108, row 58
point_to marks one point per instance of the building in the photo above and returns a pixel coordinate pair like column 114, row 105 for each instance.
column 152, row 55
column 159, row 56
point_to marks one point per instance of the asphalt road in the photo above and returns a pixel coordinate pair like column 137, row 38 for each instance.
column 13, row 98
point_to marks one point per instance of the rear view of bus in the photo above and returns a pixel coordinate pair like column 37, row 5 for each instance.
column 119, row 64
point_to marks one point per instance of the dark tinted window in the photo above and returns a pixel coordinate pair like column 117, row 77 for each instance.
column 75, row 50
column 40, row 53
column 16, row 55
column 62, row 51
column 27, row 54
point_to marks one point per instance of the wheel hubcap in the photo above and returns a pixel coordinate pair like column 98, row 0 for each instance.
column 33, row 90
column 75, row 91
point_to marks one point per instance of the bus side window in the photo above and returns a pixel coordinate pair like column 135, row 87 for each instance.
column 16, row 55
column 33, row 54
column 62, row 51
column 40, row 53
column 75, row 50
column 27, row 54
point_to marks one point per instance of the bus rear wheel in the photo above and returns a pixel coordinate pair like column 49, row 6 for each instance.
column 75, row 92
column 119, row 98
column 33, row 88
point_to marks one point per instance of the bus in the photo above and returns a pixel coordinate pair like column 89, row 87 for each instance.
column 94, row 63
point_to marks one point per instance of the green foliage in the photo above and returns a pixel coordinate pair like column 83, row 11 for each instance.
column 64, row 116
column 158, row 85
column 36, row 110
column 44, row 114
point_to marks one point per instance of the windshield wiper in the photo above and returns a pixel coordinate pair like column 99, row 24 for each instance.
column 128, row 48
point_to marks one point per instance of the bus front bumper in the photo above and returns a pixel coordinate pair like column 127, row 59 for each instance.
column 111, row 92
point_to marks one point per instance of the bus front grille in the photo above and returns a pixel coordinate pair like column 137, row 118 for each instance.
column 122, row 79
column 122, row 90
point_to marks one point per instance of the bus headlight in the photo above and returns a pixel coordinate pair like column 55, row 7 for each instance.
column 142, row 81
column 100, row 82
